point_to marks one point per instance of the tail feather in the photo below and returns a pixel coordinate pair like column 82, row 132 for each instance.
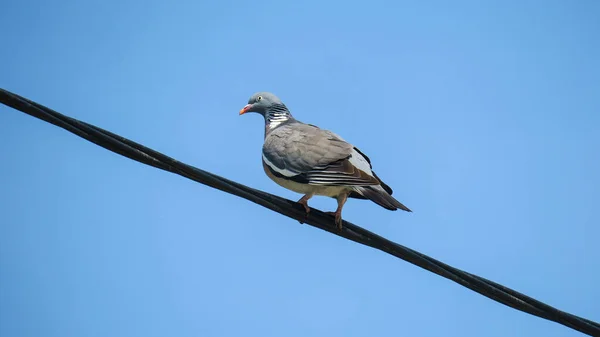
column 381, row 197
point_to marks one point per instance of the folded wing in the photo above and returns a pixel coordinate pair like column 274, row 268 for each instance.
column 311, row 155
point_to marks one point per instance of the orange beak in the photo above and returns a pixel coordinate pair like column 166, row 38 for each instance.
column 245, row 109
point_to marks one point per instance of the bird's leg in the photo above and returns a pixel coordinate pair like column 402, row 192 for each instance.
column 304, row 202
column 341, row 199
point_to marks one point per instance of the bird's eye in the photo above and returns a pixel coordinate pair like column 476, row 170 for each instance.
column 258, row 98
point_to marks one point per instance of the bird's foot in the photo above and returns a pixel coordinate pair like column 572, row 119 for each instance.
column 338, row 219
column 304, row 202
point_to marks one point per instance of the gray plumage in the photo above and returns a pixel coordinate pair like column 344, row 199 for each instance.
column 319, row 156
column 313, row 161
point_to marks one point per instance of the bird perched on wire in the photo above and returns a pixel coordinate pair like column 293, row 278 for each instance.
column 312, row 161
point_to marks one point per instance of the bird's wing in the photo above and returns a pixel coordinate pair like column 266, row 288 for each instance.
column 308, row 154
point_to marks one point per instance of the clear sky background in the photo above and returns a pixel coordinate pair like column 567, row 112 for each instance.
column 483, row 116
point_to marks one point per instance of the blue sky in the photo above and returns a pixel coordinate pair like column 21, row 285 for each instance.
column 483, row 117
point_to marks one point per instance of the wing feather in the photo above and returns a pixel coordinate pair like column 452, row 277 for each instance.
column 320, row 157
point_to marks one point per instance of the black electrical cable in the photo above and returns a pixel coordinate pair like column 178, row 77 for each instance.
column 135, row 151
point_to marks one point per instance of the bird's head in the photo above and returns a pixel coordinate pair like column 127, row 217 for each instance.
column 260, row 103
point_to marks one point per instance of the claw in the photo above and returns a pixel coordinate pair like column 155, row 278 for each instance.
column 304, row 202
column 338, row 219
column 341, row 199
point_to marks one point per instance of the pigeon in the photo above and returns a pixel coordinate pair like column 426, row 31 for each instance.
column 313, row 161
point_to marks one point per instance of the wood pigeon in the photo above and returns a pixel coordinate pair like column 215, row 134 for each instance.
column 312, row 161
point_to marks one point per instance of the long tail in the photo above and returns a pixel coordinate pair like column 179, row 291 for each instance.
column 381, row 197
